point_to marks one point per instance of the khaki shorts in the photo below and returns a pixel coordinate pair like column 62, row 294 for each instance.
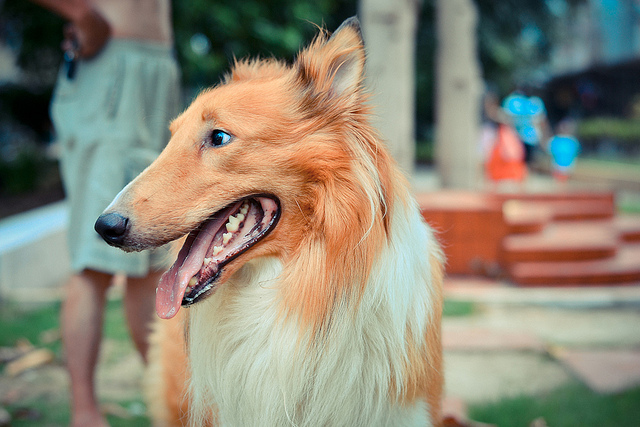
column 111, row 122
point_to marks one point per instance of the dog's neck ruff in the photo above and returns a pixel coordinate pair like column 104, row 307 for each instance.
column 352, row 373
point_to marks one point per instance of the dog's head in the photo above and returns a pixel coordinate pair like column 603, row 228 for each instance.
column 248, row 168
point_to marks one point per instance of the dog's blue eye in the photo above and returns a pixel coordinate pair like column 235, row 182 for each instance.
column 219, row 138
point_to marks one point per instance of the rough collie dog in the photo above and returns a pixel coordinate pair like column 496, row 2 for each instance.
column 312, row 283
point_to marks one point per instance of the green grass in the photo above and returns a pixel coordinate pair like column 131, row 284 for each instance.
column 23, row 323
column 453, row 308
column 29, row 323
column 115, row 326
column 18, row 323
column 624, row 130
column 629, row 166
column 38, row 412
column 631, row 207
column 49, row 413
column 568, row 406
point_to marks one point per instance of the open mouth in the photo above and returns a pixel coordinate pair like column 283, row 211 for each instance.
column 216, row 242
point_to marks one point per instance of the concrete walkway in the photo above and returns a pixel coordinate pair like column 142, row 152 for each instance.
column 530, row 341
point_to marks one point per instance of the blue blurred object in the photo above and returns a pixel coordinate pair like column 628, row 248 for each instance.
column 523, row 112
column 564, row 149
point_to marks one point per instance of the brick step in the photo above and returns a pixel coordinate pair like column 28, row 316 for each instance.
column 525, row 216
column 628, row 226
column 575, row 210
column 566, row 206
column 623, row 267
column 563, row 241
column 601, row 197
column 522, row 217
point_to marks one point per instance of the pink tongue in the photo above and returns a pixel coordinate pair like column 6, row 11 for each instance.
column 174, row 282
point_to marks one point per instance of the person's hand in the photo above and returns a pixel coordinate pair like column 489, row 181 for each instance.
column 86, row 35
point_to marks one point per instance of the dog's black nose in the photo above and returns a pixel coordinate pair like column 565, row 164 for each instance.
column 112, row 227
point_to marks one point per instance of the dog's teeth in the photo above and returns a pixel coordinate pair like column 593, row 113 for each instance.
column 216, row 250
column 226, row 237
column 207, row 260
column 245, row 208
column 234, row 223
column 191, row 285
column 240, row 217
column 232, row 227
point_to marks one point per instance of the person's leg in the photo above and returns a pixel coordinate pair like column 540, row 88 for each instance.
column 139, row 306
column 81, row 324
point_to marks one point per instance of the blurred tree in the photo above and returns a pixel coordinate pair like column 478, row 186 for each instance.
column 34, row 34
column 513, row 35
column 514, row 40
column 210, row 33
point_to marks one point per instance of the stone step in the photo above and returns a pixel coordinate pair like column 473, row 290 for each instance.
column 33, row 252
column 622, row 267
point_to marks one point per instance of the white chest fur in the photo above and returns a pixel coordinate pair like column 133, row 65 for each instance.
column 259, row 372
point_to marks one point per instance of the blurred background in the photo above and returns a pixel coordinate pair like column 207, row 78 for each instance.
column 542, row 297
column 580, row 56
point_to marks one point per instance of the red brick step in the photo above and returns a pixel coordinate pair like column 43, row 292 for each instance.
column 563, row 238
column 623, row 267
column 629, row 227
column 559, row 241
column 565, row 206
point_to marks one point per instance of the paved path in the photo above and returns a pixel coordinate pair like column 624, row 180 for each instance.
column 528, row 341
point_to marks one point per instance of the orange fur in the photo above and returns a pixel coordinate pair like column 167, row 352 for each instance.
column 166, row 379
column 312, row 146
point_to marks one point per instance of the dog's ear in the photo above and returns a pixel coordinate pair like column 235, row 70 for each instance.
column 335, row 65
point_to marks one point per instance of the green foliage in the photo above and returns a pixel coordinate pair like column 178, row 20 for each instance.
column 513, row 38
column 567, row 406
column 277, row 28
column 598, row 128
column 35, row 34
column 209, row 34
column 424, row 151
column 426, row 43
column 22, row 173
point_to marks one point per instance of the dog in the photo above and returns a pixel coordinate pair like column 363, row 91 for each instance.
column 313, row 284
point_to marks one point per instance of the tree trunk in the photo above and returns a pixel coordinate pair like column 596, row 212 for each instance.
column 458, row 95
column 389, row 29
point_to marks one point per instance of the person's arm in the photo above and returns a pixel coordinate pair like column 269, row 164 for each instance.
column 71, row 10
column 88, row 32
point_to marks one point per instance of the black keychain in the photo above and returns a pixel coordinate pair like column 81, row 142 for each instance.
column 71, row 60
